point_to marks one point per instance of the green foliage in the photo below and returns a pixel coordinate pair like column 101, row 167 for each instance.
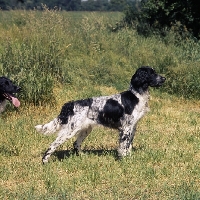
column 190, row 81
column 182, row 16
column 34, row 55
column 119, row 5
column 69, row 5
column 52, row 49
column 98, row 5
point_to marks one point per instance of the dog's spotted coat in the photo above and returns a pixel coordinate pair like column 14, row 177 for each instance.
column 120, row 111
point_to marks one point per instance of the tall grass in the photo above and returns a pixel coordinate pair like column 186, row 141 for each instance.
column 48, row 48
column 33, row 52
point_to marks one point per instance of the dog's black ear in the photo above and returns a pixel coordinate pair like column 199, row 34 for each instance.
column 140, row 80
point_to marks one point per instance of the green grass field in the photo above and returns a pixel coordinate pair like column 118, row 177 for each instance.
column 57, row 57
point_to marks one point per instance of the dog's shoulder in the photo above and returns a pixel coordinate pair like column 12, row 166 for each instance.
column 129, row 101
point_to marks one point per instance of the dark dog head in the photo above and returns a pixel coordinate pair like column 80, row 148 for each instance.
column 145, row 77
column 7, row 91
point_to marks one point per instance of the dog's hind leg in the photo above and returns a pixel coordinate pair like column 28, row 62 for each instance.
column 63, row 135
column 80, row 138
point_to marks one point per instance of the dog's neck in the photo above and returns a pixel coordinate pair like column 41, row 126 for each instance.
column 143, row 97
column 139, row 89
column 139, row 92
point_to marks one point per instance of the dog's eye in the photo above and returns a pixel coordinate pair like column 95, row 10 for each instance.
column 153, row 71
column 7, row 83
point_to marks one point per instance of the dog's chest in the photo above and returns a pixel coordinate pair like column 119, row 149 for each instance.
column 142, row 107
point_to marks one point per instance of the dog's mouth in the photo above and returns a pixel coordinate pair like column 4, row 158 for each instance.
column 12, row 98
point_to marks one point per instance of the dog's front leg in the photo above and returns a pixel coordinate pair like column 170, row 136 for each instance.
column 126, row 136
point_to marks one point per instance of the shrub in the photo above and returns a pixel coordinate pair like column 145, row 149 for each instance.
column 33, row 54
column 51, row 48
column 157, row 16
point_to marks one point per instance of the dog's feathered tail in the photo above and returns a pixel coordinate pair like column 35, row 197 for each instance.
column 49, row 128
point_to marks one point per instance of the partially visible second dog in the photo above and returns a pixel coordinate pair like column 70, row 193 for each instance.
column 120, row 111
column 7, row 92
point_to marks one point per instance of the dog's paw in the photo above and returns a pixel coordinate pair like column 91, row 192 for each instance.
column 38, row 128
column 44, row 161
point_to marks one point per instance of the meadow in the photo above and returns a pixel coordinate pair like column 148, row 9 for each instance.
column 58, row 56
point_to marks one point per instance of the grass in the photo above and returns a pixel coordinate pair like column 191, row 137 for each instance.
column 164, row 163
column 92, row 60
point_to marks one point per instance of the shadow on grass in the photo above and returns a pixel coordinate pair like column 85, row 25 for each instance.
column 62, row 154
column 8, row 151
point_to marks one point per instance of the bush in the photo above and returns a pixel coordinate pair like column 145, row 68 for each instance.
column 158, row 16
column 51, row 49
column 33, row 54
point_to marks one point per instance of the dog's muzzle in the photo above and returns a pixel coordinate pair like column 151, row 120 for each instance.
column 160, row 80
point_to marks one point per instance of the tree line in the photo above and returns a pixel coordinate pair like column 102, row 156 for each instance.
column 161, row 16
column 147, row 16
column 70, row 5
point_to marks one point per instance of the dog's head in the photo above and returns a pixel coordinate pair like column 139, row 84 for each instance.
column 145, row 77
column 8, row 91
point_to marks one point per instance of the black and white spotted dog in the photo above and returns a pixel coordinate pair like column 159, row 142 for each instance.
column 7, row 92
column 119, row 111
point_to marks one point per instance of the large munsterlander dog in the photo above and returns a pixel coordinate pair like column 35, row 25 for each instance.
column 7, row 93
column 119, row 111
